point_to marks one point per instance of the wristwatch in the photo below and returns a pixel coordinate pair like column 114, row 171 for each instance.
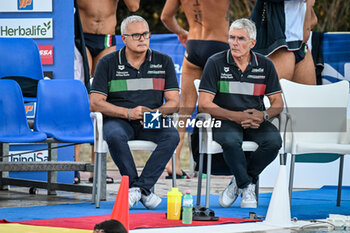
column 266, row 116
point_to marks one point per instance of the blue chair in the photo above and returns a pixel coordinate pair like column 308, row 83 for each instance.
column 20, row 61
column 62, row 111
column 14, row 127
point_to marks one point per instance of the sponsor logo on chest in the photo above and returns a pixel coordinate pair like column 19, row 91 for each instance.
column 226, row 74
column 121, row 73
column 257, row 70
column 156, row 68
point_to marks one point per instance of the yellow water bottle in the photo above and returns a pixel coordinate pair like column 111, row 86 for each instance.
column 174, row 204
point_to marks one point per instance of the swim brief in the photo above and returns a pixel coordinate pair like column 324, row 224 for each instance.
column 97, row 43
column 198, row 51
column 300, row 53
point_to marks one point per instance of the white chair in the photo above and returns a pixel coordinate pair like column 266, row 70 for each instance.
column 101, row 149
column 208, row 146
column 316, row 123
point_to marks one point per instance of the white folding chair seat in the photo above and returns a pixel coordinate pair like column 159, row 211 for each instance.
column 101, row 149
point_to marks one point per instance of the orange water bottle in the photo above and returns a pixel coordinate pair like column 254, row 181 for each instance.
column 174, row 204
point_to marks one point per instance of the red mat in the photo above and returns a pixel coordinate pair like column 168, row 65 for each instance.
column 137, row 220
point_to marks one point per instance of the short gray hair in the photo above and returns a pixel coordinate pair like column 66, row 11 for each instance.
column 131, row 19
column 246, row 24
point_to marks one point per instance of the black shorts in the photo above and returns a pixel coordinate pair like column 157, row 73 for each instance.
column 97, row 43
column 300, row 53
column 198, row 51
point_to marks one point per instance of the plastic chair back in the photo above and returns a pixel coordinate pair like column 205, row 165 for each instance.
column 20, row 57
column 318, row 113
column 63, row 111
column 14, row 126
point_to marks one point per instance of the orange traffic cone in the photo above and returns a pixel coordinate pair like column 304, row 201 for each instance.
column 120, row 210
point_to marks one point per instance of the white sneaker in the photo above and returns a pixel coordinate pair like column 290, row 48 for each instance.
column 134, row 196
column 248, row 197
column 151, row 201
column 230, row 194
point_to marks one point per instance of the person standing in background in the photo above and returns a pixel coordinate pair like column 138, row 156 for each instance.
column 283, row 28
column 98, row 20
column 208, row 32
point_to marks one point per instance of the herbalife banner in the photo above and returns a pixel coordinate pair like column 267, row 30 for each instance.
column 33, row 28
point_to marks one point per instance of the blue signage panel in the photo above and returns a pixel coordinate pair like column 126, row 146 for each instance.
column 336, row 53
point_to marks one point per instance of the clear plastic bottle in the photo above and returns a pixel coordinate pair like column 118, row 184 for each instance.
column 187, row 205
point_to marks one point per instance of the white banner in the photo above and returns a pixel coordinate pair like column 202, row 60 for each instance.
column 25, row 5
column 27, row 27
column 39, row 156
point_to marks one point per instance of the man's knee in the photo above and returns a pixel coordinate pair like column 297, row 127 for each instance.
column 273, row 142
column 230, row 142
column 172, row 137
column 117, row 137
column 114, row 135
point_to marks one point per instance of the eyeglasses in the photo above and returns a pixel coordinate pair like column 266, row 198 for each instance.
column 137, row 36
column 240, row 39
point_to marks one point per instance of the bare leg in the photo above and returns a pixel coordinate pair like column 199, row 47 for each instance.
column 310, row 19
column 92, row 159
column 89, row 57
column 101, row 54
column 305, row 71
column 284, row 62
column 76, row 158
column 188, row 101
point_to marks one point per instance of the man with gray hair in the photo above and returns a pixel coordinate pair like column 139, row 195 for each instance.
column 127, row 83
column 232, row 89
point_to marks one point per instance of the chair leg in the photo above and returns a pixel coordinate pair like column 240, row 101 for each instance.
column 174, row 169
column 283, row 159
column 94, row 185
column 4, row 150
column 207, row 192
column 291, row 177
column 51, row 175
column 191, row 168
column 199, row 185
column 257, row 191
column 340, row 179
column 103, row 173
column 98, row 179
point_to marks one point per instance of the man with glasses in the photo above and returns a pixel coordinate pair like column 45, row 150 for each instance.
column 232, row 89
column 208, row 22
column 98, row 21
column 127, row 83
